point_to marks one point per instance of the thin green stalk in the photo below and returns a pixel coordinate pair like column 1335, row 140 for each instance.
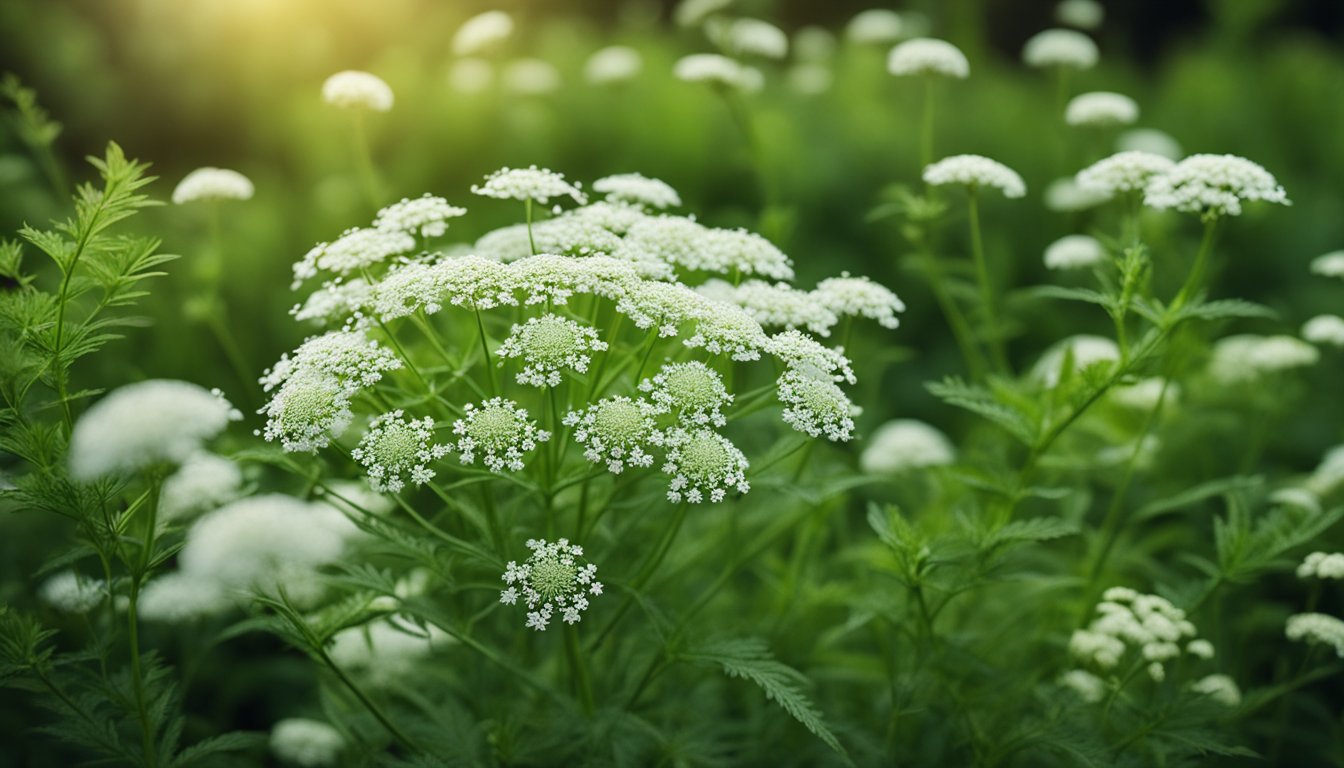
column 485, row 353
column 133, row 620
column 926, row 133
column 986, row 291
column 576, row 662
column 1196, row 276
column 527, row 209
column 368, row 179
column 646, row 571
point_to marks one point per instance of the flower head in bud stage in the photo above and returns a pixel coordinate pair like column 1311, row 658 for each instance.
column 1123, row 172
column 532, row 183
column 703, row 464
column 396, row 448
column 549, row 345
column 1324, row 329
column 718, row 70
column 927, row 56
column 71, row 592
column 159, row 421
column 753, row 37
column 1322, row 566
column 1317, row 628
column 482, row 31
column 1101, row 108
column 554, row 580
column 203, row 482
column 692, row 391
column 875, row 26
column 1329, row 265
column 309, row 743
column 636, row 189
column 1074, row 252
column 1213, row 185
column 357, row 90
column 905, row 444
column 815, row 406
column 356, row 250
column 613, row 64
column 849, row 296
column 1060, row 48
column 499, row 431
column 616, row 431
column 1150, row 626
column 212, row 184
column 975, row 171
column 426, row 216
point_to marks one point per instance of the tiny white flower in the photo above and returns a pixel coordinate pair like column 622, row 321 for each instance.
column 1246, row 357
column 1060, row 48
column 1123, row 172
column 1317, row 628
column 202, row 482
column 1322, row 565
column 396, row 449
column 636, row 189
column 309, row 743
column 71, row 592
column 616, row 431
column 499, row 431
column 425, row 216
column 703, row 465
column 1084, row 350
column 1074, row 252
column 532, row 183
column 975, row 171
column 357, row 90
column 613, row 64
column 482, row 31
column 1088, row 686
column 1084, row 14
column 905, row 444
column 719, row 70
column 1101, row 108
column 1149, row 140
column 692, row 391
column 753, row 37
column 815, row 406
column 1213, row 185
column 548, row 346
column 927, row 56
column 1220, row 688
column 1324, row 329
column 876, row 26
column 1066, row 196
column 554, row 579
column 212, row 184
column 1329, row 265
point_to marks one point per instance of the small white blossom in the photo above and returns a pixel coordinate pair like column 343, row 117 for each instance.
column 927, row 56
column 349, row 355
column 357, row 90
column 499, row 432
column 729, row 330
column 1143, row 395
column 1149, row 140
column 1101, row 108
column 1220, row 688
column 71, row 592
column 753, row 37
column 1060, row 48
column 335, row 301
column 554, row 580
column 798, row 350
column 1148, row 625
column 1086, row 685
column 876, row 26
column 1083, row 350
column 1316, row 628
column 613, row 64
column 532, row 183
column 662, row 306
column 396, row 448
column 616, row 431
column 1122, row 172
column 482, row 31
column 548, row 346
column 204, row 481
column 975, row 171
column 717, row 70
column 1247, row 357
column 815, row 406
column 849, row 296
column 386, row 652
column 1084, row 14
column 1322, row 566
column 1324, row 329
column 1074, row 252
column 425, row 216
column 778, row 304
column 307, row 411
column 1213, row 185
column 905, row 444
column 1329, row 265
column 704, row 465
column 638, row 190
column 531, row 77
column 1066, row 196
column 180, row 597
column 1329, row 474
column 692, row 390
column 353, row 251
column 213, row 184
column 309, row 743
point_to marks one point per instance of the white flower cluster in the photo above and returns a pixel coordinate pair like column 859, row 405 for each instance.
column 718, row 70
column 1101, row 108
column 927, row 56
column 155, row 422
column 204, row 481
column 616, row 431
column 355, row 250
column 1149, row 140
column 753, row 37
column 637, row 189
column 1213, row 185
column 213, row 184
column 681, row 242
column 1246, row 357
column 814, row 405
column 975, row 171
column 335, row 301
column 774, row 304
column 1074, row 252
column 613, row 64
column 1329, row 265
column 396, row 447
column 482, row 31
column 72, row 592
column 548, row 346
column 1123, row 172
column 1150, row 625
column 1220, row 688
column 1322, row 565
column 1084, row 684
column 532, row 183
column 309, row 743
column 1316, row 628
column 1084, row 14
column 352, row 89
column 1082, row 351
column 1060, row 48
column 553, row 580
column 849, row 296
column 1324, row 329
column 876, row 26
column 1329, row 474
column 906, row 444
column 702, row 463
column 1066, row 195
column 500, row 431
column 693, row 391
column 387, row 650
column 426, row 216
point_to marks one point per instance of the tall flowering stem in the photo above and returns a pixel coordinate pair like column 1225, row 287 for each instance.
column 1196, row 276
column 368, row 178
column 993, row 331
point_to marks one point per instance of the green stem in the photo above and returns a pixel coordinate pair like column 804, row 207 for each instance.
column 485, row 353
column 133, row 620
column 1196, row 276
column 580, row 669
column 961, row 329
column 994, row 332
column 364, row 161
column 926, row 133
column 645, row 572
column 527, row 209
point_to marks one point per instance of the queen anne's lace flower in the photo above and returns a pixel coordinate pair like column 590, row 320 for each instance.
column 905, row 444
column 426, row 216
column 1324, row 329
column 1143, row 395
column 975, row 171
column 692, row 391
column 71, row 592
column 1329, row 265
column 151, row 422
column 815, row 406
column 1149, row 140
column 875, row 26
column 703, row 463
column 927, row 56
column 555, row 579
column 386, row 651
column 336, row 300
column 203, row 482
column 1074, row 252
column 1246, row 357
column 499, row 432
column 310, row 743
column 1060, row 48
column 1123, row 172
column 717, row 70
column 753, row 37
column 1213, row 185
column 212, row 184
column 348, row 355
column 482, row 31
column 1220, row 688
column 664, row 306
column 1329, row 474
column 549, row 345
column 778, row 304
column 1317, row 628
column 798, row 350
column 1322, row 566
column 356, row 250
column 1149, row 625
column 307, row 411
column 725, row 329
column 1083, row 350
column 395, row 448
column 616, row 431
column 1088, row 686
column 849, row 296
column 532, row 183
column 178, row 597
column 357, row 90
column 613, row 64
column 639, row 190
column 1101, row 108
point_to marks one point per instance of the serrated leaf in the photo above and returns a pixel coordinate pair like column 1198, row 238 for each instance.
column 1035, row 529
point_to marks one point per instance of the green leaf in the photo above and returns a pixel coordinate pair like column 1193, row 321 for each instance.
column 1035, row 529
column 985, row 403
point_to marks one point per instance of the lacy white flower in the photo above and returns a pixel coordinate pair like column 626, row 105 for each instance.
column 683, row 243
column 471, row 75
column 396, row 448
column 1149, row 140
column 753, row 37
column 612, row 216
column 927, row 56
column 1074, row 252
column 530, row 183
column 335, row 301
column 1329, row 265
column 1060, row 48
column 499, row 432
column 307, row 411
column 554, row 580
column 664, row 306
column 1214, row 185
column 975, row 171
column 353, row 251
column 1084, row 14
column 1247, row 357
column 639, row 190
column 798, row 350
column 875, row 26
column 467, row 281
column 616, row 431
column 425, row 216
column 717, row 70
column 1221, row 688
column 1324, row 329
column 613, row 64
column 213, row 184
column 310, row 743
column 1329, row 474
column 1316, row 628
column 385, row 651
column 729, row 330
column 482, row 31
column 777, row 304
column 73, row 593
column 357, row 90
column 1322, row 565
column 692, row 390
column 906, row 444
column 159, row 421
column 203, row 482
column 815, row 406
column 1143, row 395
column 1123, row 172
column 532, row 77
column 1101, row 108
column 1066, row 196
column 1149, row 625
column 1083, row 351
column 703, row 463
column 549, row 345
column 348, row 355
column 1086, row 685
column 849, row 296
column 179, row 597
